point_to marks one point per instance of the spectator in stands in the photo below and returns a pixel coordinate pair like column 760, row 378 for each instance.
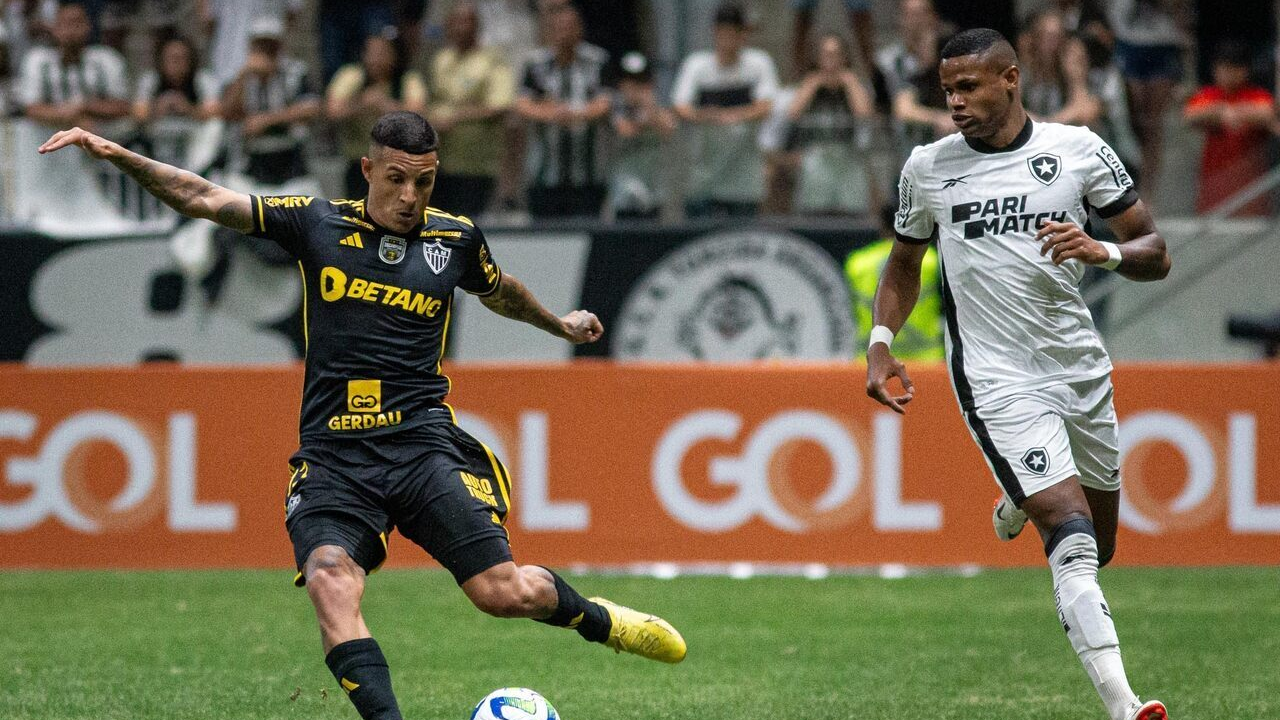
column 226, row 24
column 802, row 24
column 1086, row 21
column 472, row 90
column 1113, row 123
column 23, row 28
column 362, row 92
column 723, row 94
column 115, row 18
column 73, row 83
column 1236, row 117
column 177, row 86
column 910, row 69
column 7, row 105
column 830, row 120
column 565, row 102
column 273, row 99
column 344, row 25
column 1055, row 73
column 639, row 184
column 511, row 28
column 1150, row 36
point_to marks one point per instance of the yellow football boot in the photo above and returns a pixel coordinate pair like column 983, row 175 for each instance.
column 642, row 634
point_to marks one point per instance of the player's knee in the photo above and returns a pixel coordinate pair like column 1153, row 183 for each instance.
column 508, row 598
column 1069, row 524
column 332, row 576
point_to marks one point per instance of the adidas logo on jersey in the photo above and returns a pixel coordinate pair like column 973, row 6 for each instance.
column 352, row 240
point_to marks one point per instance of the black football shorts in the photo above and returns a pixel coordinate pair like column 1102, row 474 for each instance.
column 441, row 488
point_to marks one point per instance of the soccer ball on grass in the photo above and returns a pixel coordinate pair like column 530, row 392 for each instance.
column 514, row 704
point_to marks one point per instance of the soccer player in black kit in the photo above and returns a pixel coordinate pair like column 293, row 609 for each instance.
column 380, row 449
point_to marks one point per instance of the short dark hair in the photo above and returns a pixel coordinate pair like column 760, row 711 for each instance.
column 731, row 13
column 972, row 42
column 1231, row 52
column 406, row 131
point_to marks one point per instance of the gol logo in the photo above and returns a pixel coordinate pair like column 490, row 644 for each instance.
column 1221, row 475
column 57, row 475
column 760, row 491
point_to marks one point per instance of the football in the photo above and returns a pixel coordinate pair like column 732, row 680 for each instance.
column 514, row 704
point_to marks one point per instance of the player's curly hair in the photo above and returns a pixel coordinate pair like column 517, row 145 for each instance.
column 406, row 131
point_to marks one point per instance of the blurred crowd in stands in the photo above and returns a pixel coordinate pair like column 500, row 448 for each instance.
column 534, row 118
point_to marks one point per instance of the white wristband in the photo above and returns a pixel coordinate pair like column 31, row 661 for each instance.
column 881, row 334
column 1113, row 250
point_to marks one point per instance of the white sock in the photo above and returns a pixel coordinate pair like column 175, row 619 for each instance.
column 1087, row 619
column 1106, row 670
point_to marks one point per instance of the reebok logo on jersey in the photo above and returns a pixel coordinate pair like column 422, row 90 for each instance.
column 1045, row 167
column 352, row 240
column 999, row 216
column 952, row 182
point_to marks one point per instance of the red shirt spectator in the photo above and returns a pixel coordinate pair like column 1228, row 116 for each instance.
column 1236, row 117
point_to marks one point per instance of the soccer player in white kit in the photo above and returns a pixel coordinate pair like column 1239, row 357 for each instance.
column 1006, row 199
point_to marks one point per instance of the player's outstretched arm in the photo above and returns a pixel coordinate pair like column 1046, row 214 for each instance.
column 1142, row 252
column 512, row 299
column 181, row 190
column 896, row 296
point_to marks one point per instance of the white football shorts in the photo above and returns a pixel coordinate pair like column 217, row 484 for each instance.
column 1038, row 438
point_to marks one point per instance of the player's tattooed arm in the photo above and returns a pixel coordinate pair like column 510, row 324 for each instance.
column 513, row 300
column 181, row 190
column 1143, row 255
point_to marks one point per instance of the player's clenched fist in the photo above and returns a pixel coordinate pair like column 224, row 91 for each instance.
column 882, row 365
column 97, row 147
column 581, row 326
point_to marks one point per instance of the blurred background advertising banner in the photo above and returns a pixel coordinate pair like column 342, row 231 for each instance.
column 616, row 464
column 198, row 294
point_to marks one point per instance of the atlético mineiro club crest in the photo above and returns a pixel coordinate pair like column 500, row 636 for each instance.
column 437, row 256
column 391, row 249
column 1045, row 167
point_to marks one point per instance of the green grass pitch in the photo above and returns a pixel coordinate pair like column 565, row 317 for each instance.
column 231, row 645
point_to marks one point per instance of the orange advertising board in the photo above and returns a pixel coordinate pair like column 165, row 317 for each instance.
column 618, row 464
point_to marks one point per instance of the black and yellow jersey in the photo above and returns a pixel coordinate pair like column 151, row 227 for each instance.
column 376, row 309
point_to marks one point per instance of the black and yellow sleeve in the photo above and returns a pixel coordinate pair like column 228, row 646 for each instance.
column 481, row 276
column 286, row 219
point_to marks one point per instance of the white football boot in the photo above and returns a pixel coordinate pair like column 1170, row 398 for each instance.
column 1007, row 519
column 1149, row 710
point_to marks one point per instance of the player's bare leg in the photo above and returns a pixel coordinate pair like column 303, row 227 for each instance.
column 1104, row 505
column 508, row 590
column 1063, row 516
column 530, row 591
column 335, row 584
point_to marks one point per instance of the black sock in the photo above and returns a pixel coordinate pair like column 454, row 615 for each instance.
column 574, row 611
column 362, row 672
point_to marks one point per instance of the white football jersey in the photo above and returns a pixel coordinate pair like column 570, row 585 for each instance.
column 1015, row 321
